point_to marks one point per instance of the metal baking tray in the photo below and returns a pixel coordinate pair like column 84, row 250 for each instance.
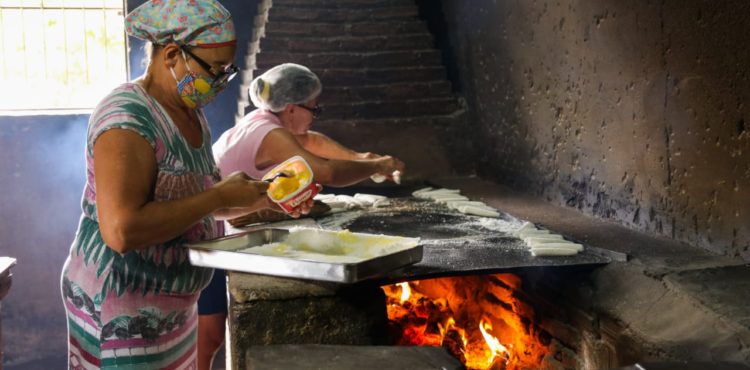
column 226, row 253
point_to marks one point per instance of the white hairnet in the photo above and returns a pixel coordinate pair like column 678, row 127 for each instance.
column 284, row 84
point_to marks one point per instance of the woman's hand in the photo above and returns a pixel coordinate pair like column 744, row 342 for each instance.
column 239, row 191
column 306, row 206
column 390, row 168
column 303, row 209
column 241, row 195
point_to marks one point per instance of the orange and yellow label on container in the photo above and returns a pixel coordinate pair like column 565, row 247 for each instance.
column 291, row 191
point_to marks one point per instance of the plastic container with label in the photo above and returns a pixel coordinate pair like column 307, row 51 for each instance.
column 291, row 191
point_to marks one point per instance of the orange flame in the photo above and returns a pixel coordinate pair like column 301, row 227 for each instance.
column 495, row 347
column 440, row 312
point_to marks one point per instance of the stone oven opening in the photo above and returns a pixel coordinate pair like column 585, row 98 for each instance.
column 482, row 321
column 531, row 318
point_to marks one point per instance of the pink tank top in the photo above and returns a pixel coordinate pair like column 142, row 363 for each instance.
column 236, row 148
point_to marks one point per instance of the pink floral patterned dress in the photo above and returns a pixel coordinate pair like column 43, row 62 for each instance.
column 137, row 310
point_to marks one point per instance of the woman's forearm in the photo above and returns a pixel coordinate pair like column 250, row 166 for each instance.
column 340, row 173
column 325, row 147
column 230, row 213
column 155, row 222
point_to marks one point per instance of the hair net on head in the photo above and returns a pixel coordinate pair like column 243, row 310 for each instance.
column 284, row 84
column 201, row 23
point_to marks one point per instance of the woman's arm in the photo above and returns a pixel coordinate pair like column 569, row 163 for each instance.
column 125, row 171
column 231, row 213
column 325, row 147
column 279, row 145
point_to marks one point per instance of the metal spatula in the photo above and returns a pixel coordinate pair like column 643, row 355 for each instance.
column 276, row 176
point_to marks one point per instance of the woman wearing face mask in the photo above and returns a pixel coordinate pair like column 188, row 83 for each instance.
column 287, row 100
column 152, row 185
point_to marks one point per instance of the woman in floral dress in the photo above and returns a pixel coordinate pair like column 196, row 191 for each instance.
column 152, row 186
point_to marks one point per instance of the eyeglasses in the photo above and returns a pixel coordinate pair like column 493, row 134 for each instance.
column 316, row 111
column 222, row 77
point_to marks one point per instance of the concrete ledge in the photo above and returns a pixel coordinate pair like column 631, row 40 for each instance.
column 671, row 316
column 283, row 357
column 686, row 366
column 250, row 287
column 716, row 286
column 266, row 310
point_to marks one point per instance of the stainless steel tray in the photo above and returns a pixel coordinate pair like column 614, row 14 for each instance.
column 226, row 253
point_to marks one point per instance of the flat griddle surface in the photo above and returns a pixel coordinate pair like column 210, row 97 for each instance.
column 454, row 243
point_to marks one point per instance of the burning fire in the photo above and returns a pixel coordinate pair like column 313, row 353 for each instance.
column 478, row 319
column 405, row 291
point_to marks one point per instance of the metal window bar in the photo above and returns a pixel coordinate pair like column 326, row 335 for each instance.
column 127, row 60
column 44, row 47
column 2, row 44
column 25, row 49
column 65, row 43
column 106, row 39
column 86, row 46
column 85, row 8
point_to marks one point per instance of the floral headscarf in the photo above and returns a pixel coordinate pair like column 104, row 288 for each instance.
column 200, row 23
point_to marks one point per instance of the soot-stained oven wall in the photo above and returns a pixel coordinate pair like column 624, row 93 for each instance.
column 630, row 111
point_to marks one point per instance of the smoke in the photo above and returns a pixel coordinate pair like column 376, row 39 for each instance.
column 45, row 174
column 42, row 177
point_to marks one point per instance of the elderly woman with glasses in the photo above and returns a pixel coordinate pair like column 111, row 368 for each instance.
column 152, row 186
column 286, row 97
column 287, row 100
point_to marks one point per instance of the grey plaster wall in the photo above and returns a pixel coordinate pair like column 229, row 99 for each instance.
column 633, row 111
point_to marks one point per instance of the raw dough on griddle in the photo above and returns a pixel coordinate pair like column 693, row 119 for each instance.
column 454, row 200
column 546, row 243
column 553, row 252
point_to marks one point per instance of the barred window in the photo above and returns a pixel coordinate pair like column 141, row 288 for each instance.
column 60, row 54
